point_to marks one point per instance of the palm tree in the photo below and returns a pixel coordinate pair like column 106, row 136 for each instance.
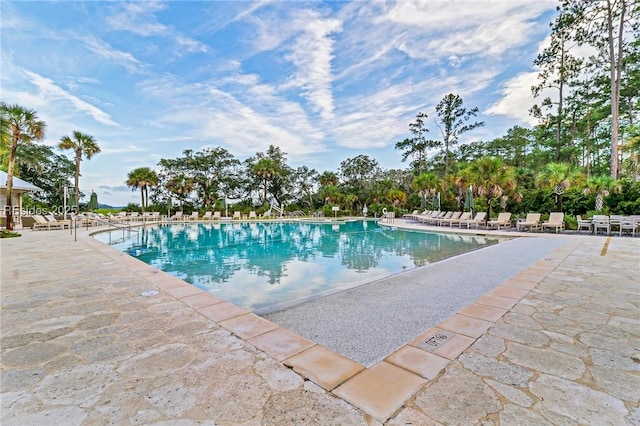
column 181, row 186
column 328, row 179
column 631, row 164
column 427, row 185
column 491, row 179
column 397, row 197
column 17, row 125
column 142, row 178
column 265, row 169
column 602, row 186
column 559, row 177
column 81, row 144
column 330, row 194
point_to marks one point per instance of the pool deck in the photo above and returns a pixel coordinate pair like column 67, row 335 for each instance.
column 91, row 335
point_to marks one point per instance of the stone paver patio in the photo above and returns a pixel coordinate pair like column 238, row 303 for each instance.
column 90, row 335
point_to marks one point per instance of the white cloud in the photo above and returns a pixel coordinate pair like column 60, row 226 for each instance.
column 103, row 50
column 139, row 18
column 435, row 31
column 50, row 91
column 247, row 121
column 311, row 53
column 517, row 99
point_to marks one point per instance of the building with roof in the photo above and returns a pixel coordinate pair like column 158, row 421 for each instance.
column 19, row 188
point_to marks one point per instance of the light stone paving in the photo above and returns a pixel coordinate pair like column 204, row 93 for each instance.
column 92, row 336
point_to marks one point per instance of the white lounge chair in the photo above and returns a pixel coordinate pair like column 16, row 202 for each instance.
column 42, row 223
column 207, row 216
column 555, row 222
column 463, row 216
column 503, row 219
column 532, row 221
column 194, row 216
column 475, row 222
column 64, row 223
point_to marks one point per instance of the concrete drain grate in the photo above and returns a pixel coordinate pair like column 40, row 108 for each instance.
column 436, row 340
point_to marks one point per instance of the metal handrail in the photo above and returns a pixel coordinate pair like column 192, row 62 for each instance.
column 124, row 228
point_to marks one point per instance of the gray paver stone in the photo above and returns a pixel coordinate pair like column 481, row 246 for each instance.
column 80, row 385
column 494, row 369
column 545, row 361
column 514, row 415
column 468, row 397
column 577, row 402
column 301, row 406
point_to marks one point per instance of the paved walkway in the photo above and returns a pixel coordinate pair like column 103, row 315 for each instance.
column 93, row 336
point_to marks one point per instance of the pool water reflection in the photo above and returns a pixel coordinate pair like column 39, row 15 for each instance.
column 257, row 265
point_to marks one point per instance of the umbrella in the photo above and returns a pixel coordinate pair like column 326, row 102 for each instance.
column 169, row 206
column 469, row 202
column 93, row 201
column 436, row 202
column 71, row 201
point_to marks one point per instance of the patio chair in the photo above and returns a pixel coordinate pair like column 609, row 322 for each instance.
column 630, row 223
column 194, row 216
column 503, row 219
column 207, row 216
column 252, row 215
column 236, row 215
column 216, row 216
column 475, row 222
column 65, row 223
column 42, row 223
column 133, row 216
column 601, row 221
column 463, row 216
column 176, row 217
column 556, row 222
column 584, row 224
column 532, row 221
column 614, row 221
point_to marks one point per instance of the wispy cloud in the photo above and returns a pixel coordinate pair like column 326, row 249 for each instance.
column 245, row 122
column 104, row 51
column 139, row 18
column 312, row 53
column 48, row 89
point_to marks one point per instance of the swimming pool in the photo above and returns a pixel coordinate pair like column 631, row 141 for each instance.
column 258, row 265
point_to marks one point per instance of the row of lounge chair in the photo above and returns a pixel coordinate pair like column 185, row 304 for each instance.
column 178, row 216
column 462, row 219
column 49, row 222
column 450, row 218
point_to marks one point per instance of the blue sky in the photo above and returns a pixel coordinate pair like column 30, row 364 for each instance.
column 325, row 81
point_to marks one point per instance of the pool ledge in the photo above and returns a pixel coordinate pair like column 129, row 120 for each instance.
column 409, row 368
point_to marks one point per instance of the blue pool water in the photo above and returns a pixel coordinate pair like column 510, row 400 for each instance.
column 259, row 265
